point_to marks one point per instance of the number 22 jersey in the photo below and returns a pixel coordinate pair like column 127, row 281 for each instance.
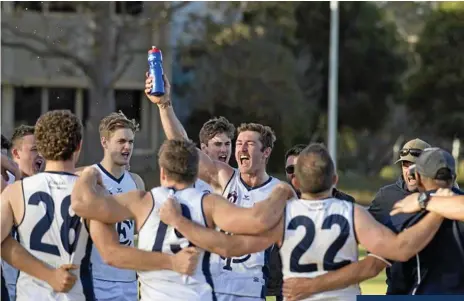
column 52, row 232
column 319, row 237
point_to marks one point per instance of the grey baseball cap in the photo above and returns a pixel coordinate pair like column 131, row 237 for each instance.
column 432, row 161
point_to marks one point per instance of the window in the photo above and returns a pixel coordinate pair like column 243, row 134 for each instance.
column 129, row 7
column 128, row 101
column 27, row 105
column 28, row 5
column 62, row 6
column 61, row 99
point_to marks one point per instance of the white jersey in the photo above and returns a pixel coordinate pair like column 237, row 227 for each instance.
column 125, row 229
column 52, row 232
column 155, row 235
column 10, row 273
column 319, row 237
column 202, row 186
column 246, row 275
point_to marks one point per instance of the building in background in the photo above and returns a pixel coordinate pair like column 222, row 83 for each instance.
column 31, row 85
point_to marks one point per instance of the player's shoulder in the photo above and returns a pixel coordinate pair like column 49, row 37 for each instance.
column 138, row 180
column 12, row 189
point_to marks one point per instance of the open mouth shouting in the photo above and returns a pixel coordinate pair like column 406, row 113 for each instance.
column 125, row 155
column 38, row 164
column 244, row 159
column 222, row 158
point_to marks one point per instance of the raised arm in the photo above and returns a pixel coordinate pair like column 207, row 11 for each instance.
column 106, row 240
column 215, row 173
column 261, row 217
column 381, row 241
column 91, row 201
column 443, row 202
column 60, row 279
column 215, row 241
column 354, row 273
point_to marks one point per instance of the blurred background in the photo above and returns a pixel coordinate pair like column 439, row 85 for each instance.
column 400, row 74
column 400, row 64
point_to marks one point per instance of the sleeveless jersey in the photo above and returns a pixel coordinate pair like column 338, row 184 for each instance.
column 125, row 229
column 319, row 237
column 9, row 273
column 246, row 275
column 52, row 232
column 155, row 235
column 202, row 186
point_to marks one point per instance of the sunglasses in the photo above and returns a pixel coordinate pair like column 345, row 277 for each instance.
column 290, row 169
column 415, row 152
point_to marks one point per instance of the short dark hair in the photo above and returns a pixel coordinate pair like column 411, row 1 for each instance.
column 179, row 158
column 214, row 126
column 315, row 169
column 6, row 144
column 266, row 134
column 295, row 150
column 20, row 132
column 58, row 135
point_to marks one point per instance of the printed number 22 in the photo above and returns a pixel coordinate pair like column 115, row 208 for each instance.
column 69, row 222
column 308, row 239
column 161, row 234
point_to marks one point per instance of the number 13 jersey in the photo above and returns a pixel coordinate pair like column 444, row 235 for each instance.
column 154, row 235
column 52, row 232
column 319, row 237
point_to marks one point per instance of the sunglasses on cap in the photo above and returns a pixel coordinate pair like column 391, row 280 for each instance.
column 290, row 169
column 415, row 152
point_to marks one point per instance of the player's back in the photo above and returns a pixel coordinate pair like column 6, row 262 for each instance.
column 319, row 237
column 155, row 235
column 51, row 232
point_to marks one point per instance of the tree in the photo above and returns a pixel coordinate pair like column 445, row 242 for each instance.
column 99, row 46
column 435, row 94
column 370, row 61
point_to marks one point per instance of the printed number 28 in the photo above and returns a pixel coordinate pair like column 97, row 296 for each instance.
column 308, row 239
column 44, row 224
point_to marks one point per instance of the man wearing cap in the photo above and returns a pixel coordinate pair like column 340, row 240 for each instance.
column 399, row 275
column 439, row 267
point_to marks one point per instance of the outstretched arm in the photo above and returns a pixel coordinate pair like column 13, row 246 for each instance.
column 261, row 217
column 124, row 257
column 381, row 241
column 215, row 241
column 354, row 273
column 91, row 201
column 443, row 202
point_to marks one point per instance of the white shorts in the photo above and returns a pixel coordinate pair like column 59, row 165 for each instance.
column 114, row 291
column 224, row 297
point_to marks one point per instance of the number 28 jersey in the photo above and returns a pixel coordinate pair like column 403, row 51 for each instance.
column 52, row 232
column 319, row 237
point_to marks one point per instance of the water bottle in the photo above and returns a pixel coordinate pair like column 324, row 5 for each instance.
column 155, row 65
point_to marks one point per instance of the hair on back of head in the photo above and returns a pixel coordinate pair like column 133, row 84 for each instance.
column 315, row 169
column 179, row 158
column 58, row 135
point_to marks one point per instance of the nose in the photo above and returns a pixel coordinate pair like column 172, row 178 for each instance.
column 223, row 148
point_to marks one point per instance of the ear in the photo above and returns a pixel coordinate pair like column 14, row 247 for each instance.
column 162, row 174
column 15, row 153
column 79, row 147
column 203, row 146
column 418, row 179
column 335, row 179
column 103, row 142
column 295, row 183
column 267, row 152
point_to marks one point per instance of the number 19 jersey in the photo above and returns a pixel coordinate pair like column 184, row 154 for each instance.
column 52, row 232
column 154, row 235
column 319, row 237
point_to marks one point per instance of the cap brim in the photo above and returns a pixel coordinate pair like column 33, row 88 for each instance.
column 408, row 158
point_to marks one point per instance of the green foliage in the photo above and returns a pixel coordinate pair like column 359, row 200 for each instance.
column 435, row 93
column 370, row 61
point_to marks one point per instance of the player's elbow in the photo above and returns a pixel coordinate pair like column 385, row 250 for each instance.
column 79, row 205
